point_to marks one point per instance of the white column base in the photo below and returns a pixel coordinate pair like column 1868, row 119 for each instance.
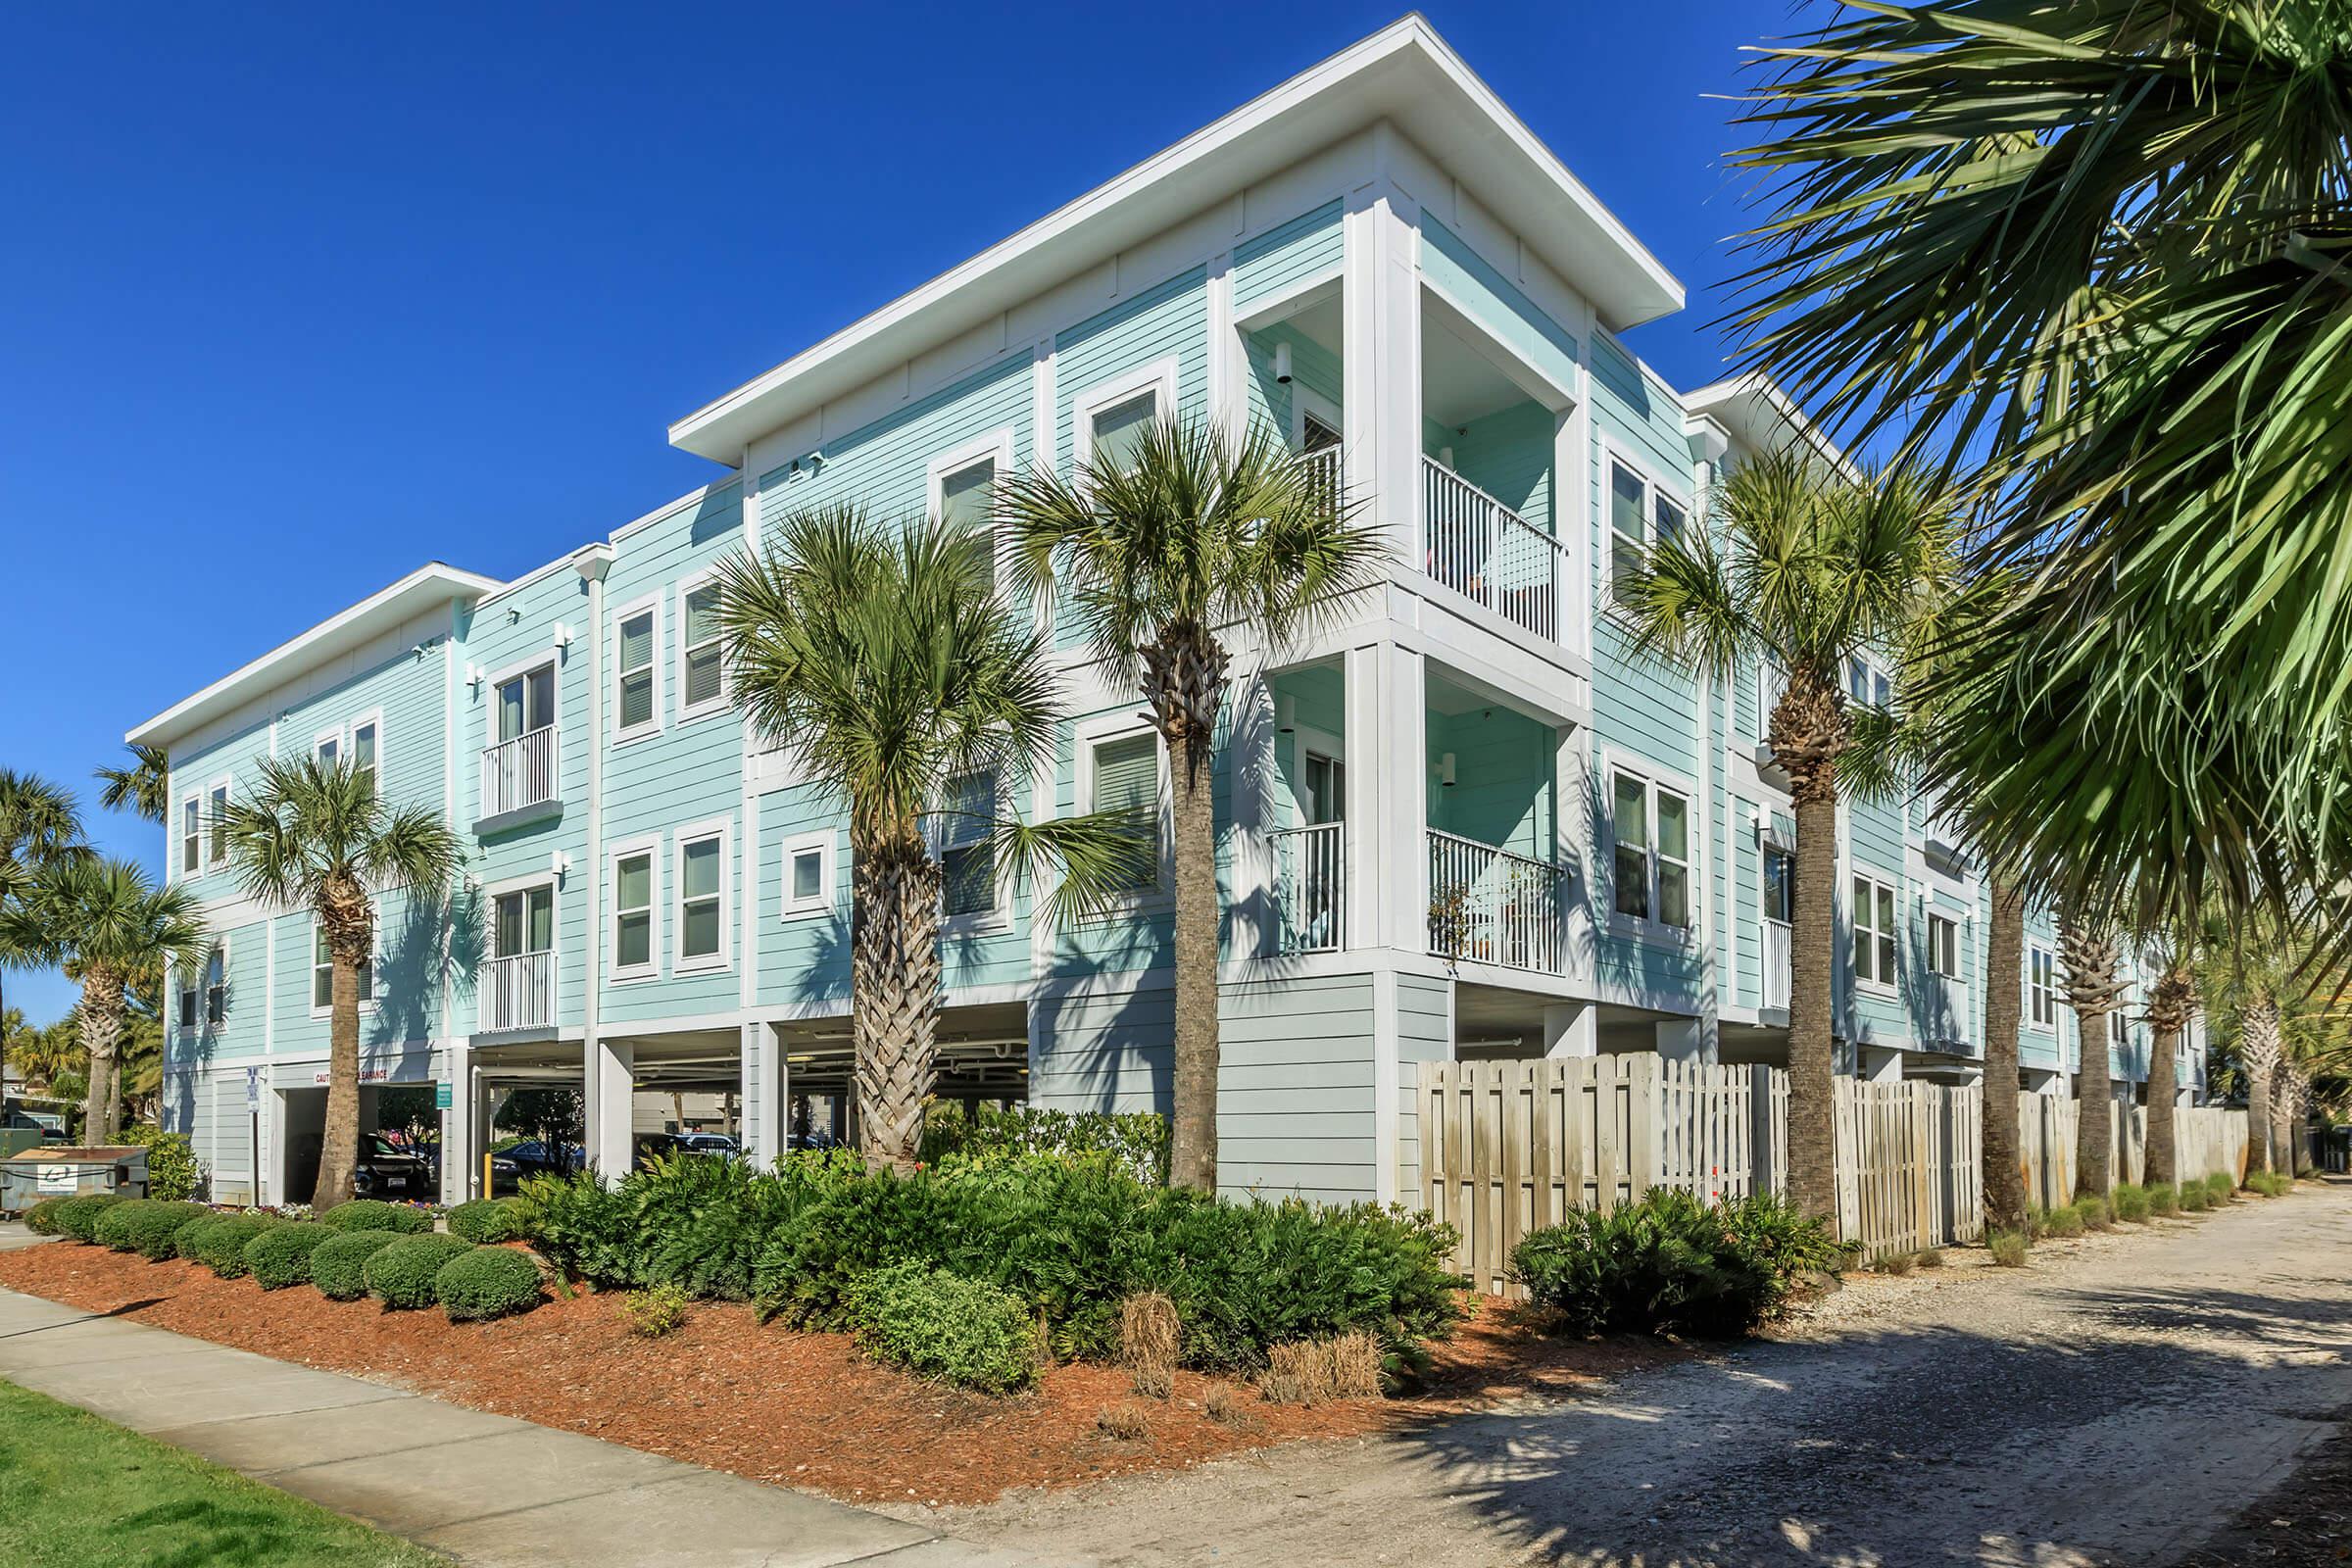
column 612, row 1107
column 1571, row 1029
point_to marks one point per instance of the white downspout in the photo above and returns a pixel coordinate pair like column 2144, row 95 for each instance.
column 592, row 564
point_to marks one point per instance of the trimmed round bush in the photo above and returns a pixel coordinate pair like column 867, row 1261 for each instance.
column 147, row 1227
column 487, row 1220
column 487, row 1282
column 339, row 1264
column 41, row 1217
column 375, row 1215
column 281, row 1255
column 401, row 1274
column 78, row 1217
column 221, row 1245
column 941, row 1325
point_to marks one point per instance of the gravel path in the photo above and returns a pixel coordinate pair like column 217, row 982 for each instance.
column 2113, row 1404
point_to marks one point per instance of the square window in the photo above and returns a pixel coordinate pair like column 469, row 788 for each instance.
column 1126, row 780
column 809, row 875
column 633, row 911
column 701, row 680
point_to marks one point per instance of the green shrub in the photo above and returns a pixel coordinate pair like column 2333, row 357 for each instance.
column 375, row 1215
column 147, row 1227
column 339, row 1264
column 486, row 1220
column 78, row 1216
column 655, row 1313
column 1071, row 1239
column 942, row 1326
column 1136, row 1142
column 220, row 1246
column 1669, row 1263
column 2096, row 1215
column 2220, row 1186
column 2271, row 1183
column 485, row 1281
column 2195, row 1199
column 281, row 1256
column 2062, row 1222
column 401, row 1274
column 2164, row 1199
column 2131, row 1203
column 41, row 1217
column 172, row 1170
column 2008, row 1249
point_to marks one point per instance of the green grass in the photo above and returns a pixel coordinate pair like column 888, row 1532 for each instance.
column 77, row 1491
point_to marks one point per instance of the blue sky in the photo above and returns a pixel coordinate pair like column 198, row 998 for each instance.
column 301, row 296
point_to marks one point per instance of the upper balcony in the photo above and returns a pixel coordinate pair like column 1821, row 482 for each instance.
column 522, row 777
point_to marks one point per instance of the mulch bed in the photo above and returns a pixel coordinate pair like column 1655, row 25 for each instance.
column 798, row 1409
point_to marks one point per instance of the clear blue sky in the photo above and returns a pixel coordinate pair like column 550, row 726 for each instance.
column 297, row 298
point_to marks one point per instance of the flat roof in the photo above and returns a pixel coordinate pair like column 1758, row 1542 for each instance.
column 1405, row 74
column 434, row 583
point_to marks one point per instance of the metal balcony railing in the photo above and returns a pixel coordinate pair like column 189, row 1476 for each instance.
column 1776, row 964
column 1482, row 548
column 520, row 772
column 1311, row 887
column 519, row 992
column 1489, row 906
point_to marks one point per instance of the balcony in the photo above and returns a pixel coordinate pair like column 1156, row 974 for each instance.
column 519, row 992
column 1489, row 906
column 1485, row 552
column 1311, row 887
column 522, row 781
column 1776, row 966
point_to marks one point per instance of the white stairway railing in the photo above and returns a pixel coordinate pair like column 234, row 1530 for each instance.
column 1481, row 547
column 1489, row 906
column 519, row 992
column 519, row 772
column 1776, row 964
column 1311, row 889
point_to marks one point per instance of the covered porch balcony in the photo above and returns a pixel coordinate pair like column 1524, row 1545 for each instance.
column 1485, row 882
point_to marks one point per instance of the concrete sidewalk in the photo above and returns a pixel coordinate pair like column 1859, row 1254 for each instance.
column 482, row 1488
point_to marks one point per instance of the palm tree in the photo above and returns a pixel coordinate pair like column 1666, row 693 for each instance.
column 38, row 826
column 1808, row 569
column 886, row 665
column 1187, row 543
column 109, row 924
column 317, row 836
column 2268, row 992
column 2098, row 250
column 143, row 787
column 2090, row 962
column 2172, row 1004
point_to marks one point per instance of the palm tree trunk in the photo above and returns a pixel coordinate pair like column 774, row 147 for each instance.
column 2163, row 1166
column 2258, row 1050
column 1192, row 1154
column 339, row 1149
column 2004, row 989
column 2282, row 1121
column 1812, row 977
column 2094, row 1127
column 101, row 1035
column 895, row 980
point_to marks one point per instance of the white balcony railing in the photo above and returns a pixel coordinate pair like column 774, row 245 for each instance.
column 519, row 772
column 1489, row 906
column 1481, row 547
column 1311, row 887
column 1776, row 964
column 1323, row 474
column 519, row 992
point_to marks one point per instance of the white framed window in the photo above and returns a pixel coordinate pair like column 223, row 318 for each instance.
column 808, row 875
column 2042, row 986
column 1944, row 945
column 2119, row 1030
column 327, row 746
column 189, row 999
column 1650, row 848
column 523, row 699
column 702, row 669
column 702, row 883
column 366, row 739
column 216, row 986
column 637, row 669
column 636, row 936
column 191, row 836
column 323, row 971
column 961, row 488
column 1866, row 682
column 1641, row 511
column 522, row 919
column 1123, row 773
column 216, row 835
column 961, row 838
column 1873, row 931
column 1780, row 885
column 1112, row 418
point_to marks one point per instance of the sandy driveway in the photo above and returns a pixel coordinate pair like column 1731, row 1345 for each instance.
column 2109, row 1406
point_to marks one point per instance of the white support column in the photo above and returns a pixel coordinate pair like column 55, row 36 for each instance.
column 1571, row 1029
column 1381, row 312
column 461, row 1153
column 1686, row 1040
column 611, row 1068
column 1388, row 902
column 764, row 1086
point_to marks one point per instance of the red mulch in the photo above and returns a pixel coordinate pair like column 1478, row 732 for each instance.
column 800, row 1409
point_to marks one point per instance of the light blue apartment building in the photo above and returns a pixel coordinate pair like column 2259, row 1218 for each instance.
column 1460, row 822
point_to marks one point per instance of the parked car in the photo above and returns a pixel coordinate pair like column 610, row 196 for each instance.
column 533, row 1157
column 650, row 1147
column 718, row 1144
column 818, row 1139
column 52, row 1129
column 389, row 1170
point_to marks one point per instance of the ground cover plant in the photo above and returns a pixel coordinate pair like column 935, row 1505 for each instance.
column 1669, row 1263
column 943, row 1326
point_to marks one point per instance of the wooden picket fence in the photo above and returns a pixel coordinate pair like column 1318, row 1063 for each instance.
column 1504, row 1148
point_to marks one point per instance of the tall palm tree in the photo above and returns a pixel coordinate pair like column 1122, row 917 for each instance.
column 2098, row 251
column 109, row 924
column 1806, row 568
column 2268, row 987
column 38, row 826
column 2091, row 966
column 143, row 787
column 884, row 662
column 319, row 836
column 2172, row 1004
column 1169, row 555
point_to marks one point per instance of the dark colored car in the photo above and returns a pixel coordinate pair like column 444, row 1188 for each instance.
column 531, row 1157
column 718, row 1144
column 25, row 1121
column 650, row 1147
column 819, row 1140
column 389, row 1169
